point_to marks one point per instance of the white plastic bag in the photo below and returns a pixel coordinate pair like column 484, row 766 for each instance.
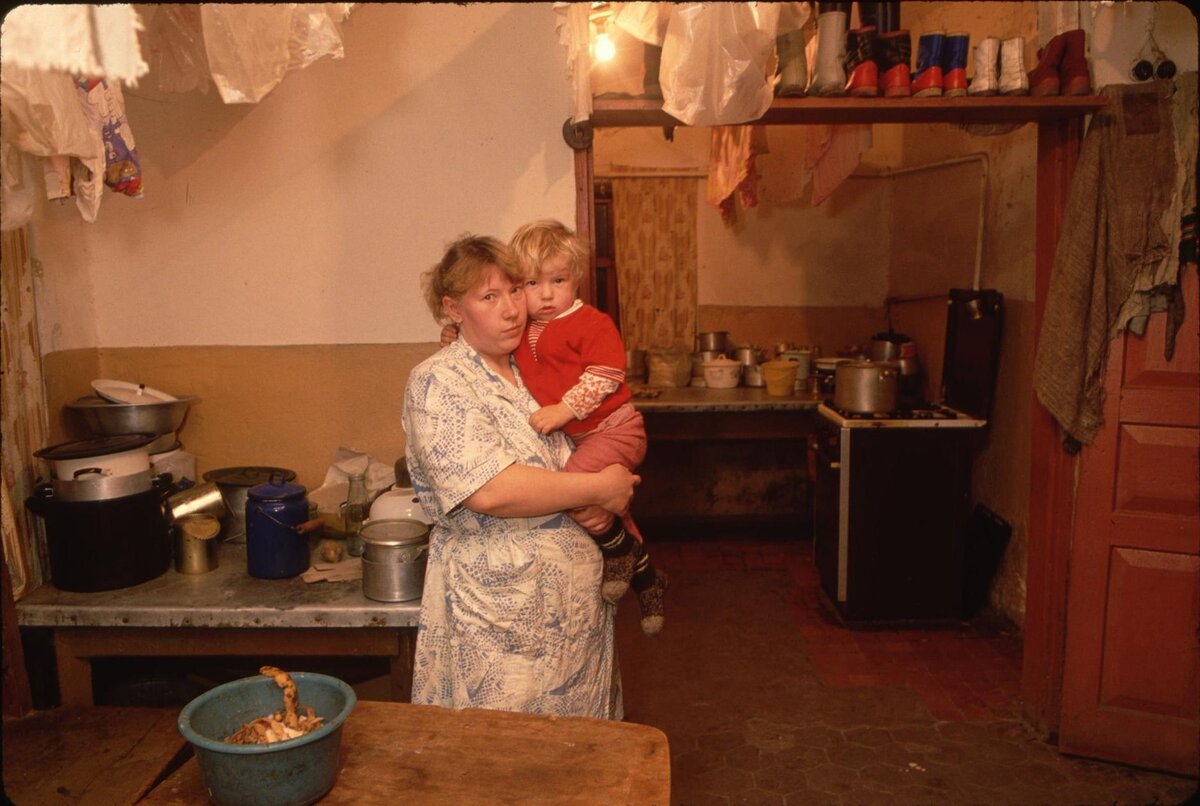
column 717, row 62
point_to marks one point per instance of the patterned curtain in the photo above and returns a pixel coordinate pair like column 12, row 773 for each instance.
column 654, row 234
column 23, row 420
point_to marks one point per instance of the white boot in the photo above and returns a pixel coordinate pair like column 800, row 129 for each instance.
column 987, row 62
column 1013, row 79
column 831, row 54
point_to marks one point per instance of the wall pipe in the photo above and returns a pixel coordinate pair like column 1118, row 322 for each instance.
column 976, row 156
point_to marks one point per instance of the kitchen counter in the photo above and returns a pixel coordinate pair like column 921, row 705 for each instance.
column 225, row 612
column 692, row 399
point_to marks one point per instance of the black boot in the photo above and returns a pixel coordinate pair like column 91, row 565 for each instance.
column 862, row 71
column 895, row 58
column 884, row 16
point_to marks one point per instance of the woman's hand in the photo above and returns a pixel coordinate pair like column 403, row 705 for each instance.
column 449, row 335
column 616, row 489
column 551, row 418
column 596, row 520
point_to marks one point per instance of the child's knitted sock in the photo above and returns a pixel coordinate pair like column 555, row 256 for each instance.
column 616, row 545
column 651, row 585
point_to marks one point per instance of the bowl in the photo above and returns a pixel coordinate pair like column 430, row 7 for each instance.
column 295, row 772
column 722, row 373
column 102, row 417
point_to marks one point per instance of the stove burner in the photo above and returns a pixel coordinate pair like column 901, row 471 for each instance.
column 919, row 411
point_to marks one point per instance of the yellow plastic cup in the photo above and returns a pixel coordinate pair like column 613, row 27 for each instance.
column 779, row 377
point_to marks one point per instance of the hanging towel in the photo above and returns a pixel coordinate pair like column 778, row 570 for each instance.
column 1115, row 260
column 731, row 168
column 832, row 154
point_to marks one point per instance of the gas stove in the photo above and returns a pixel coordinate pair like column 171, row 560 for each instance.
column 919, row 415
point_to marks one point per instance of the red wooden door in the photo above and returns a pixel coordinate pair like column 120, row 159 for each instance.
column 1130, row 678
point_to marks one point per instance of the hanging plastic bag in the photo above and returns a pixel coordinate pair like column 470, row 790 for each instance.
column 717, row 62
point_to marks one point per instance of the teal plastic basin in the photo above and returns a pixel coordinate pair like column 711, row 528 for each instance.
column 296, row 772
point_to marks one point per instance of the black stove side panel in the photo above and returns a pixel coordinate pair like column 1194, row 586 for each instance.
column 908, row 505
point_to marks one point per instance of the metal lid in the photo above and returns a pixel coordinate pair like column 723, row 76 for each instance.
column 276, row 490
column 97, row 446
column 395, row 532
column 247, row 476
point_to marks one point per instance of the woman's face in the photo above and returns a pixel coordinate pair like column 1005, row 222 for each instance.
column 491, row 315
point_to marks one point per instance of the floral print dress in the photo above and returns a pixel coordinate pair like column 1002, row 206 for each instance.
column 511, row 616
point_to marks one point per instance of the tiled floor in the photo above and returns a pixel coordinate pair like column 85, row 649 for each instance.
column 767, row 700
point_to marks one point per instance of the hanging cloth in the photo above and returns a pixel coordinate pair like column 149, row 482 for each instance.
column 731, row 168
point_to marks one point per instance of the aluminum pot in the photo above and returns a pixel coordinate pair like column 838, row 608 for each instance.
column 121, row 455
column 94, row 485
column 717, row 341
column 866, row 387
column 394, row 557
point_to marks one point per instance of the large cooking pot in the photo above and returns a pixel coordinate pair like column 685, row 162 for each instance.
column 103, row 545
column 120, row 455
column 866, row 387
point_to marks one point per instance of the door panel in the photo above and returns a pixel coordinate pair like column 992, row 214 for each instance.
column 1132, row 654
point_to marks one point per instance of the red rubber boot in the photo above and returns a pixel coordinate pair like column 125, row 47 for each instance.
column 1044, row 79
column 1073, row 72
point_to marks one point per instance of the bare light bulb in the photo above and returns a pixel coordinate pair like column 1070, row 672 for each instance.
column 605, row 49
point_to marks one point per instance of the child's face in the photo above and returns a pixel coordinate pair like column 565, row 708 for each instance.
column 551, row 291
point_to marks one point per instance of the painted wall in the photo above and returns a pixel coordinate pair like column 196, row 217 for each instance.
column 273, row 266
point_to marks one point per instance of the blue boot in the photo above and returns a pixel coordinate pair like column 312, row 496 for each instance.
column 954, row 65
column 927, row 78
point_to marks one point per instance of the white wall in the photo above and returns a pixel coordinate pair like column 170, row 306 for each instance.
column 307, row 218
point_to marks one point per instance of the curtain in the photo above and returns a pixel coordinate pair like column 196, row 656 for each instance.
column 23, row 419
column 654, row 234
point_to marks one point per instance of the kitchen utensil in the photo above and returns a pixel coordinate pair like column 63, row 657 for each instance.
column 722, row 373
column 752, row 375
column 699, row 359
column 196, row 543
column 394, row 559
column 201, row 499
column 716, row 341
column 824, row 369
column 779, row 375
column 149, row 417
column 296, row 771
column 103, row 545
column 91, row 484
column 276, row 529
column 235, row 483
column 119, row 455
column 125, row 392
column 866, row 386
column 747, row 355
column 398, row 502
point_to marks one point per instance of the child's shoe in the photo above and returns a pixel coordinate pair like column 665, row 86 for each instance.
column 862, row 71
column 987, row 65
column 927, row 79
column 620, row 560
column 1044, row 79
column 1073, row 72
column 954, row 65
column 895, row 55
column 830, row 78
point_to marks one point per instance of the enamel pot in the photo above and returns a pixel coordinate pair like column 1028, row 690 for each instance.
column 276, row 529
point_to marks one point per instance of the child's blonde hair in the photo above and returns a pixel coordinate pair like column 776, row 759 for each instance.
column 539, row 241
column 466, row 263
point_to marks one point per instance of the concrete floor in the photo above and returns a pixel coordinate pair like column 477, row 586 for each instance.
column 766, row 700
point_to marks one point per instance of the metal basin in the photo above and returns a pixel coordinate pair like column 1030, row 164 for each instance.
column 103, row 417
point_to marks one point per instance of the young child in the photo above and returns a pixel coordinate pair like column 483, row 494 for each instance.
column 572, row 360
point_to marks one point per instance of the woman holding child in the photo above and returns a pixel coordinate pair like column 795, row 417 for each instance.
column 512, row 617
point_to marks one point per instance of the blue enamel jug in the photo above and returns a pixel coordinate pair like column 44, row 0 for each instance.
column 276, row 543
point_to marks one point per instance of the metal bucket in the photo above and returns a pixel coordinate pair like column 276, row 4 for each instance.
column 394, row 557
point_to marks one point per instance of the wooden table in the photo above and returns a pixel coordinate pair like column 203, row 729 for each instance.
column 95, row 756
column 225, row 612
column 418, row 754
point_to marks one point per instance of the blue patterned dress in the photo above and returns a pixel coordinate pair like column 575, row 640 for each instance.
column 511, row 616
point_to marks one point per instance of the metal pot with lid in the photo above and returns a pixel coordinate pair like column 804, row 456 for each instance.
column 277, row 527
column 866, row 387
column 99, row 469
column 394, row 557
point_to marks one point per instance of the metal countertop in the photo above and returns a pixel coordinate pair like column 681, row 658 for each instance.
column 225, row 597
column 701, row 399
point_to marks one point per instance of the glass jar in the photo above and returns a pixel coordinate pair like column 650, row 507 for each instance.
column 354, row 512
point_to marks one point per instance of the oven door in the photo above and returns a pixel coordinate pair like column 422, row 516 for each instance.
column 826, row 472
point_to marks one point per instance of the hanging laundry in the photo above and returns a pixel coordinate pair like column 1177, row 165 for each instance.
column 122, row 168
column 731, row 166
column 832, row 154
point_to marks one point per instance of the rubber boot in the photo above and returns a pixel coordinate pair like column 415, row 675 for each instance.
column 954, row 65
column 927, row 78
column 831, row 49
column 895, row 56
column 1073, row 72
column 652, row 60
column 1013, row 80
column 862, row 70
column 793, row 64
column 987, row 67
column 1044, row 79
column 885, row 17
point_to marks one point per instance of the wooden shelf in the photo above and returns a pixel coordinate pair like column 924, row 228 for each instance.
column 613, row 112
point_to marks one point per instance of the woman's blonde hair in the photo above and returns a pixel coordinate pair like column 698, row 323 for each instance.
column 464, row 265
column 539, row 241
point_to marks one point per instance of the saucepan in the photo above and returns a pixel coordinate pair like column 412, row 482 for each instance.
column 866, row 387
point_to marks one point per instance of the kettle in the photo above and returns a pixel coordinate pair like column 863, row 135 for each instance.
column 277, row 528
